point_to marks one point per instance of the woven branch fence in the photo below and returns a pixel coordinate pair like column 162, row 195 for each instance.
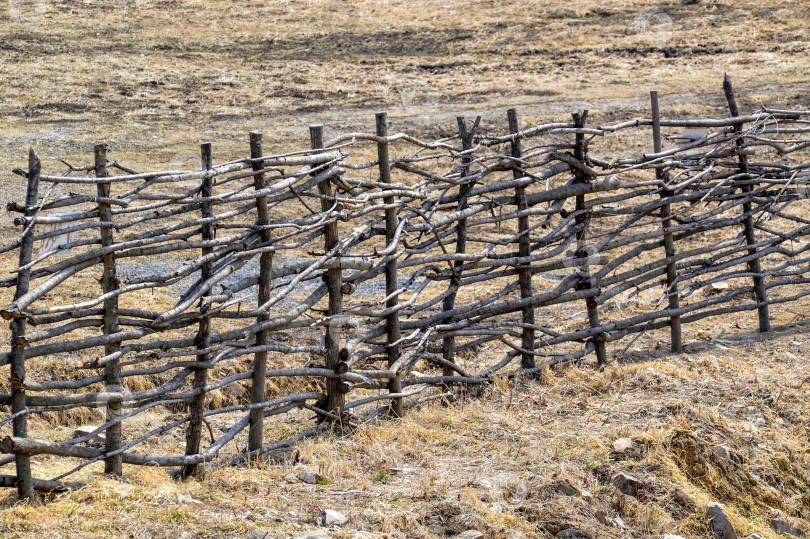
column 253, row 303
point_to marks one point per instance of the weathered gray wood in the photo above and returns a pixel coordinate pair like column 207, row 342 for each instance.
column 258, row 381
column 669, row 241
column 24, row 483
column 203, row 338
column 449, row 343
column 754, row 265
column 109, row 283
column 335, row 389
column 394, row 348
column 425, row 215
column 581, row 251
column 524, row 248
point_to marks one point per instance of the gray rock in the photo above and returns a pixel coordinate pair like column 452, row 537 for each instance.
column 622, row 444
column 84, row 430
column 470, row 534
column 721, row 452
column 756, row 535
column 572, row 533
column 332, row 518
column 781, row 524
column 316, row 534
column 715, row 288
column 290, row 478
column 309, row 478
column 670, row 536
column 626, row 483
column 257, row 534
column 564, row 487
column 719, row 522
column 521, row 491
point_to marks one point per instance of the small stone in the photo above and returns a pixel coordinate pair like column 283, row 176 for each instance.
column 290, row 478
column 564, row 487
column 719, row 522
column 721, row 452
column 470, row 534
column 402, row 471
column 622, row 444
column 316, row 534
column 256, row 534
column 332, row 518
column 586, row 495
column 84, row 430
column 782, row 525
column 572, row 533
column 601, row 516
column 748, row 302
column 623, row 449
column 617, row 521
column 670, row 536
column 309, row 478
column 521, row 491
column 756, row 535
column 626, row 483
column 435, row 529
column 714, row 288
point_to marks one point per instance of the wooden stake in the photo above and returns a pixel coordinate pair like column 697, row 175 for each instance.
column 25, row 488
column 449, row 343
column 258, row 382
column 109, row 282
column 748, row 222
column 203, row 338
column 524, row 249
column 590, row 304
column 391, row 284
column 669, row 242
column 334, row 282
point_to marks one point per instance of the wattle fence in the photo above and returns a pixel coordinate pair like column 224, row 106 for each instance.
column 348, row 289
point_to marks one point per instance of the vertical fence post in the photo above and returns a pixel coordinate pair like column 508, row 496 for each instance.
column 391, row 284
column 524, row 248
column 335, row 389
column 25, row 487
column 581, row 251
column 666, row 222
column 109, row 282
column 754, row 265
column 203, row 337
column 258, row 382
column 449, row 343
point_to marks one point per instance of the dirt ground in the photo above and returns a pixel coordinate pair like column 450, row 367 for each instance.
column 727, row 421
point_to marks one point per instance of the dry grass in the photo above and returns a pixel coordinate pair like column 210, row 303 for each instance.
column 500, row 464
column 155, row 79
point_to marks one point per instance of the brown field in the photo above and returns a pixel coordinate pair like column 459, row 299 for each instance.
column 154, row 79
